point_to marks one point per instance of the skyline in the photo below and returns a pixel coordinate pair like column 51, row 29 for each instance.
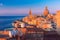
column 17, row 7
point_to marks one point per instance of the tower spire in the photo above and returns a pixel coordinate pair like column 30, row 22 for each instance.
column 46, row 11
column 30, row 12
column 46, row 8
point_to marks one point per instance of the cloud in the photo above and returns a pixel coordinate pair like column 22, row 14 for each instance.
column 1, row 4
column 18, row 11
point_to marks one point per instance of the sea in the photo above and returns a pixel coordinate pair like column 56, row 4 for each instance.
column 6, row 21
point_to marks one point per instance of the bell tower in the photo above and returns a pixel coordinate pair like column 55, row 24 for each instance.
column 30, row 12
column 46, row 11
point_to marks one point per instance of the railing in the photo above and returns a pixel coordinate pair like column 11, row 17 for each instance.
column 33, row 34
column 36, row 34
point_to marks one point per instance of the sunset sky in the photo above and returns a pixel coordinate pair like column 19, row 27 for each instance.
column 22, row 7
